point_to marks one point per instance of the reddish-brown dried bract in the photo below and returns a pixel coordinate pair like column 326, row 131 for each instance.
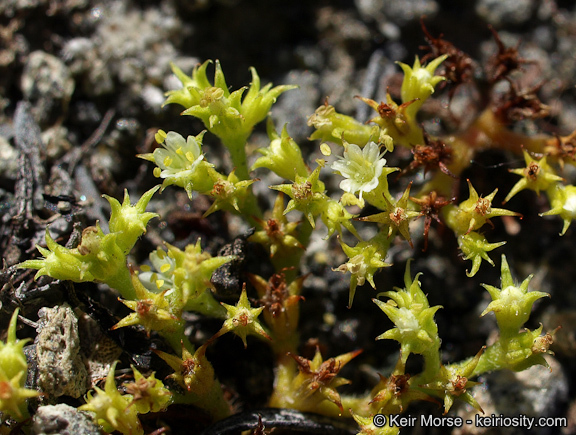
column 433, row 154
column 275, row 295
column 562, row 148
column 398, row 384
column 507, row 60
column 517, row 105
column 458, row 68
column 325, row 373
column 430, row 206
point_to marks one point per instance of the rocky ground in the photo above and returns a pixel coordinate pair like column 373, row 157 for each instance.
column 82, row 84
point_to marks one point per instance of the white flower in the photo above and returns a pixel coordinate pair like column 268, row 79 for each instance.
column 161, row 278
column 407, row 321
column 570, row 205
column 179, row 158
column 361, row 168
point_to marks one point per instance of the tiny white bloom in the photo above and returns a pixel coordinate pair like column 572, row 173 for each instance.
column 407, row 321
column 179, row 158
column 356, row 266
column 161, row 278
column 570, row 204
column 361, row 168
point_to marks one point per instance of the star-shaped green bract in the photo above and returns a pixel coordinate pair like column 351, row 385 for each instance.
column 317, row 380
column 475, row 247
column 364, row 260
column 397, row 217
column 14, row 395
column 154, row 311
column 243, row 320
column 563, row 202
column 111, row 409
column 129, row 221
column 474, row 212
column 452, row 383
column 537, row 176
column 307, row 195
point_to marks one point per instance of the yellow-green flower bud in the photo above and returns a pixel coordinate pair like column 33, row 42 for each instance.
column 13, row 367
column 98, row 257
column 419, row 83
column 512, row 304
column 181, row 162
column 332, row 126
column 364, row 260
column 185, row 276
column 112, row 410
column 409, row 310
column 129, row 221
column 283, row 156
column 563, row 201
column 231, row 194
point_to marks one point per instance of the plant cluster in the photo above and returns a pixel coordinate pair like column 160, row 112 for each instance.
column 178, row 281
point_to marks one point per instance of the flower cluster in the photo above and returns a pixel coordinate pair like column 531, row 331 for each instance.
column 114, row 411
column 13, row 369
column 409, row 310
column 180, row 162
column 178, row 280
column 99, row 257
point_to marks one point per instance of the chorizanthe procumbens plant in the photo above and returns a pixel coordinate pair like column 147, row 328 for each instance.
column 178, row 281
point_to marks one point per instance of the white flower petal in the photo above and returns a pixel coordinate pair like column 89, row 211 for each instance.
column 361, row 168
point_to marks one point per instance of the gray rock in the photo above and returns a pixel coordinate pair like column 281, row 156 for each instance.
column 503, row 12
column 47, row 84
column 63, row 420
column 536, row 392
column 61, row 370
column 8, row 160
column 85, row 61
column 397, row 13
column 293, row 104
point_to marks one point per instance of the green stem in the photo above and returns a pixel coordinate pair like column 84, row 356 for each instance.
column 122, row 281
column 177, row 339
column 493, row 358
column 237, row 148
column 432, row 365
column 207, row 305
column 213, row 402
column 490, row 360
column 289, row 258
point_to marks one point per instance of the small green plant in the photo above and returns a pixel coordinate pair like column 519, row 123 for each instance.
column 13, row 371
column 180, row 280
